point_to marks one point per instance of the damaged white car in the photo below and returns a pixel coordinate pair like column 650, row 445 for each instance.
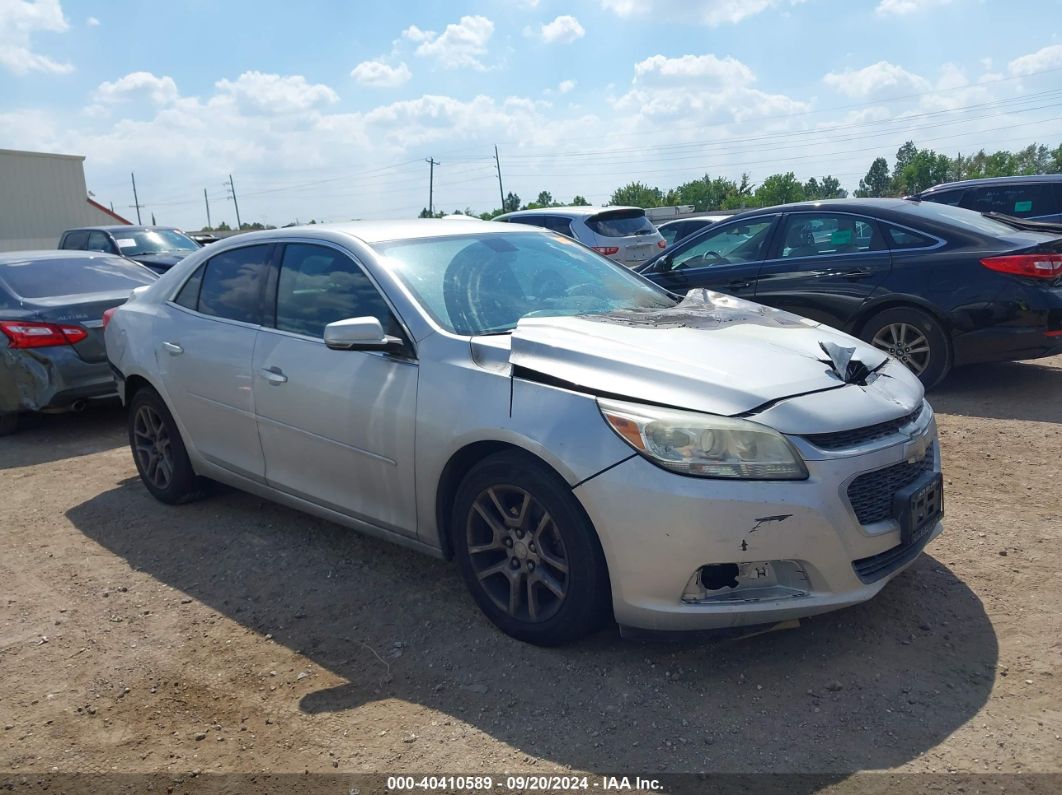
column 584, row 445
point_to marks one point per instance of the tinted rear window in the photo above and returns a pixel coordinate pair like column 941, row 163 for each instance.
column 73, row 276
column 232, row 284
column 621, row 223
column 1024, row 200
column 75, row 240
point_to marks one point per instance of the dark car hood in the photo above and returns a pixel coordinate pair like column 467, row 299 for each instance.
column 160, row 263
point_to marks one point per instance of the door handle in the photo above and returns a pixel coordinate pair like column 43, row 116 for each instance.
column 172, row 348
column 274, row 376
column 855, row 273
column 738, row 284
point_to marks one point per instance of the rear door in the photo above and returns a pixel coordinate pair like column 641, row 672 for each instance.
column 206, row 338
column 726, row 259
column 337, row 426
column 824, row 265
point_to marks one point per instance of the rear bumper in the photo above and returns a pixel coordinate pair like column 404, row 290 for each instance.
column 1026, row 324
column 50, row 379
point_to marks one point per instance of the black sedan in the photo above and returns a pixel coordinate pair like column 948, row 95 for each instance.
column 52, row 303
column 934, row 285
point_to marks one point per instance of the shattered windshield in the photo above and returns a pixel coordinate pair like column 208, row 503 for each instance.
column 484, row 284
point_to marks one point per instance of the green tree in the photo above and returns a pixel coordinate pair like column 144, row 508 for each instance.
column 924, row 170
column 904, row 155
column 579, row 201
column 511, row 203
column 637, row 194
column 223, row 227
column 711, row 194
column 779, row 189
column 876, row 183
column 829, row 188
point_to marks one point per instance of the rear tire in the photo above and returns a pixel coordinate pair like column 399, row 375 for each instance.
column 528, row 552
column 914, row 337
column 8, row 423
column 159, row 452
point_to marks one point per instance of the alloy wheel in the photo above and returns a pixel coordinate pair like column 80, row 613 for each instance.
column 907, row 343
column 517, row 553
column 151, row 440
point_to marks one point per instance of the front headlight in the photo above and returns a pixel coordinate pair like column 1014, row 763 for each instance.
column 704, row 445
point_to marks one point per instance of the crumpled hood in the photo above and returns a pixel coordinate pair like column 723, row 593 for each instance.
column 712, row 353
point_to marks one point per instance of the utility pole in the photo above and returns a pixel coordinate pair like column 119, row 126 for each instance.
column 136, row 202
column 236, row 204
column 501, row 190
column 432, row 163
column 207, row 202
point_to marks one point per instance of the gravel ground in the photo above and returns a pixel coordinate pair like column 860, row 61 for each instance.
column 235, row 635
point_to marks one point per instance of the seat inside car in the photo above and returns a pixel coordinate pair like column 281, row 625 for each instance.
column 480, row 289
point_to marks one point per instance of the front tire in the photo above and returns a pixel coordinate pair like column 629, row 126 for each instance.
column 528, row 553
column 915, row 338
column 159, row 452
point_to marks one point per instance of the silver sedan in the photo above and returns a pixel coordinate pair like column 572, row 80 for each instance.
column 585, row 445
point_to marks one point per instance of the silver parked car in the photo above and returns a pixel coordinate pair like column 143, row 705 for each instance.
column 584, row 444
column 624, row 234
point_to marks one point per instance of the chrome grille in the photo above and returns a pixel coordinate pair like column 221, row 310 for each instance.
column 871, row 493
column 839, row 440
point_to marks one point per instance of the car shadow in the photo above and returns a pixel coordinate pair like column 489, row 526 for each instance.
column 43, row 438
column 1003, row 390
column 871, row 687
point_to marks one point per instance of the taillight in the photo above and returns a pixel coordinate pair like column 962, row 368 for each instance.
column 1038, row 266
column 25, row 334
column 608, row 251
column 107, row 315
column 661, row 244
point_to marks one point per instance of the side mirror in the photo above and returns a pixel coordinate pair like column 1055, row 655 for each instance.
column 360, row 334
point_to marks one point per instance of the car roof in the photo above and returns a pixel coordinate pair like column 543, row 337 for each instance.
column 371, row 232
column 575, row 212
column 989, row 181
column 840, row 205
column 122, row 228
column 11, row 257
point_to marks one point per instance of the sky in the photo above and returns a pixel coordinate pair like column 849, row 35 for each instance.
column 329, row 110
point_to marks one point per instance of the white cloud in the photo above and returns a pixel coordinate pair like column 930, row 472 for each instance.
column 378, row 74
column 461, row 44
column 1049, row 57
column 876, row 79
column 19, row 20
column 706, row 12
column 271, row 93
column 700, row 89
column 562, row 30
column 160, row 90
column 887, row 8
column 565, row 86
column 92, row 22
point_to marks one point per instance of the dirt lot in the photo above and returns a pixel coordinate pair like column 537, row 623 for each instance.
column 235, row 635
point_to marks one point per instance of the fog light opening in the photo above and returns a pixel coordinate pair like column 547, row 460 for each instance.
column 719, row 575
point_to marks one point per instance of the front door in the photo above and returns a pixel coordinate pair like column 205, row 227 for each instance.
column 725, row 259
column 337, row 427
column 824, row 266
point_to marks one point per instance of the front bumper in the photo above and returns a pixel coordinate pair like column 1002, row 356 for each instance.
column 658, row 528
column 50, row 379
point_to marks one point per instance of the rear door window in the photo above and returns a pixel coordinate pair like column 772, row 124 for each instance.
column 1022, row 200
column 621, row 223
column 232, row 284
column 556, row 223
column 823, row 234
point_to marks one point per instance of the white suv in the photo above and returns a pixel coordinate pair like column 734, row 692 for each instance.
column 624, row 234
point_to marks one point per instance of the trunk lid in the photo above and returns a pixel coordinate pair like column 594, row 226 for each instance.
column 81, row 310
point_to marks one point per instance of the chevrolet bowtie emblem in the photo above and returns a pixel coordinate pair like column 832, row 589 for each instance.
column 845, row 365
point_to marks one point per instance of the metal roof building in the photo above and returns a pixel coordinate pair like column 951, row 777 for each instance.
column 42, row 194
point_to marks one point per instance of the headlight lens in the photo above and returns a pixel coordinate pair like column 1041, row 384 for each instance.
column 704, row 445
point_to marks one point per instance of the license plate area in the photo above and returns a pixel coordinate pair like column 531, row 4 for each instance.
column 917, row 507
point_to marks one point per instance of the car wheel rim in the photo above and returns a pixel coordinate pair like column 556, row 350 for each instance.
column 907, row 343
column 151, row 441
column 517, row 553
